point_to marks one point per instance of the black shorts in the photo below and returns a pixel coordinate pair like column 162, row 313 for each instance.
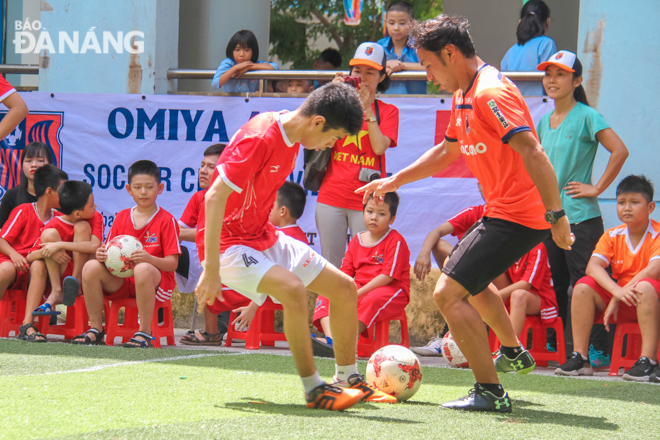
column 487, row 250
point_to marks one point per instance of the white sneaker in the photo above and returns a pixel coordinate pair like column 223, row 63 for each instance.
column 433, row 348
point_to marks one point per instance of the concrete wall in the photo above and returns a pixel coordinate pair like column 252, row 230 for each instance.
column 205, row 28
column 618, row 47
column 21, row 10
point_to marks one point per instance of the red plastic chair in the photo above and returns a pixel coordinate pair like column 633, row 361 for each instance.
column 539, row 349
column 633, row 347
column 77, row 321
column 262, row 328
column 379, row 336
column 12, row 312
column 130, row 325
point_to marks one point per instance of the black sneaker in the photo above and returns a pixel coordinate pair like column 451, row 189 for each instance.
column 478, row 399
column 575, row 366
column 655, row 376
column 522, row 364
column 321, row 349
column 641, row 371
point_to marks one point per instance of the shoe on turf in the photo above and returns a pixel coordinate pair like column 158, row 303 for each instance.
column 522, row 364
column 597, row 358
column 371, row 393
column 655, row 376
column 479, row 399
column 321, row 349
column 576, row 365
column 333, row 398
column 641, row 371
column 433, row 348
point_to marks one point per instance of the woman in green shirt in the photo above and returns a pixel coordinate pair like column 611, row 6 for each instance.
column 570, row 136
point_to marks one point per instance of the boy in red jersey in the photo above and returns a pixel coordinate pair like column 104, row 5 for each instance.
column 258, row 262
column 379, row 261
column 632, row 293
column 153, row 278
column 492, row 128
column 20, row 232
column 289, row 207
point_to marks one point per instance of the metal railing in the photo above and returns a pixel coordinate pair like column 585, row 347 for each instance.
column 21, row 69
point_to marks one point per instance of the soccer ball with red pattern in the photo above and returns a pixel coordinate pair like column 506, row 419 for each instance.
column 452, row 353
column 395, row 370
column 119, row 250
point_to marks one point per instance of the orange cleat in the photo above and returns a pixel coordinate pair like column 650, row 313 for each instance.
column 372, row 394
column 333, row 398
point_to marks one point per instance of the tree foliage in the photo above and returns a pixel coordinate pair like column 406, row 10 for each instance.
column 294, row 23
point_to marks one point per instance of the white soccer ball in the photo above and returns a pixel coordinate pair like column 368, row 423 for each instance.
column 119, row 250
column 395, row 370
column 452, row 353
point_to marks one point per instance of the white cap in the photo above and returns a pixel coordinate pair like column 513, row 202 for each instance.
column 369, row 54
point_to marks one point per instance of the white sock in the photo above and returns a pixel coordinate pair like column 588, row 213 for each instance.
column 653, row 362
column 345, row 371
column 311, row 382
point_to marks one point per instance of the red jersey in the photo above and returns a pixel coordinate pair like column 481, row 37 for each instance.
column 533, row 267
column 65, row 228
column 464, row 220
column 355, row 152
column 616, row 249
column 23, row 228
column 482, row 122
column 255, row 164
column 159, row 237
column 5, row 89
column 294, row 231
column 190, row 215
column 389, row 256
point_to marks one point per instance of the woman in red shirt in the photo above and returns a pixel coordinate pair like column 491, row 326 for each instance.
column 359, row 159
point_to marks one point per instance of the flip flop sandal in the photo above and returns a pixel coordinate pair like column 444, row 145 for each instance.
column 70, row 289
column 33, row 337
column 84, row 339
column 45, row 310
column 209, row 339
column 138, row 343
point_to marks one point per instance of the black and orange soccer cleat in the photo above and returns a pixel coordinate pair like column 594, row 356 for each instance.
column 333, row 398
column 372, row 394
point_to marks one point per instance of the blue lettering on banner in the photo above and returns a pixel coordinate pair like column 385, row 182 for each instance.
column 158, row 120
column 112, row 123
column 184, row 187
column 115, row 179
column 106, row 176
column 191, row 124
column 165, row 174
column 174, row 126
column 216, row 126
column 104, row 168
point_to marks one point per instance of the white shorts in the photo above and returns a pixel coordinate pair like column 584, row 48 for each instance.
column 242, row 268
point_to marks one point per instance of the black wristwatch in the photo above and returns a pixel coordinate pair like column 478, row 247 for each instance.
column 553, row 216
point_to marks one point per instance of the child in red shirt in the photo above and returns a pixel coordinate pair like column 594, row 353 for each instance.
column 153, row 278
column 289, row 207
column 379, row 261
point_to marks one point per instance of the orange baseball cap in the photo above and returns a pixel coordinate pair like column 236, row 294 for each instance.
column 565, row 60
column 369, row 54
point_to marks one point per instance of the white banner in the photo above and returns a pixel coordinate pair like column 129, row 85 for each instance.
column 96, row 138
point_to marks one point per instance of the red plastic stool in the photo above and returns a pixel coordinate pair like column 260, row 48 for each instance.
column 539, row 349
column 262, row 328
column 12, row 312
column 379, row 336
column 77, row 321
column 633, row 347
column 130, row 325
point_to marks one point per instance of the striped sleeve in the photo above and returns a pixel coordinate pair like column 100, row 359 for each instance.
column 14, row 225
column 396, row 258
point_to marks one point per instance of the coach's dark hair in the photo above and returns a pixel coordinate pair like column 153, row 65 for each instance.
column 332, row 56
column 48, row 176
column 636, row 184
column 533, row 18
column 392, row 200
column 385, row 83
column 292, row 196
column 144, row 167
column 74, row 195
column 339, row 104
column 33, row 149
column 244, row 39
column 434, row 34
column 402, row 7
column 215, row 150
column 579, row 94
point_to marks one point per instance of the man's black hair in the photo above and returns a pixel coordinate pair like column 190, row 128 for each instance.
column 215, row 150
column 331, row 56
column 391, row 199
column 434, row 34
column 533, row 18
column 292, row 196
column 245, row 39
column 144, row 167
column 339, row 104
column 636, row 184
column 48, row 176
column 402, row 7
column 74, row 195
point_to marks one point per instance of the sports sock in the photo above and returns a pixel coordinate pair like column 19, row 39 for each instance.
column 511, row 352
column 345, row 371
column 311, row 382
column 653, row 362
column 494, row 388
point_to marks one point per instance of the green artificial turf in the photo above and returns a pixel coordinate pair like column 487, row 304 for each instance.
column 63, row 391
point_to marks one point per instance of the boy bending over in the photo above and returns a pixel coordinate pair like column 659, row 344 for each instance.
column 153, row 275
column 633, row 252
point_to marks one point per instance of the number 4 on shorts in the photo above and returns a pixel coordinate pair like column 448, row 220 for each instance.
column 249, row 260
